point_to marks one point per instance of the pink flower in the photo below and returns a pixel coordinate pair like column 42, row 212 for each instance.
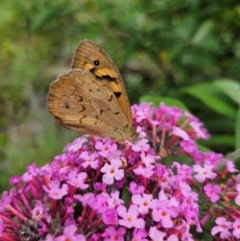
column 189, row 146
column 183, row 171
column 181, row 133
column 203, row 172
column 237, row 198
column 144, row 171
column 148, row 159
column 113, row 200
column 174, row 237
column 69, row 233
column 77, row 179
column 110, row 217
column 140, row 145
column 230, row 166
column 135, row 189
column 37, row 212
column 76, row 145
column 55, row 191
column 98, row 203
column 236, row 228
column 1, row 226
column 156, row 234
column 143, row 202
column 198, row 130
column 89, row 159
column 142, row 113
column 212, row 191
column 98, row 189
column 111, row 234
column 112, row 171
column 139, row 235
column 222, row 227
column 130, row 218
column 105, row 147
column 162, row 213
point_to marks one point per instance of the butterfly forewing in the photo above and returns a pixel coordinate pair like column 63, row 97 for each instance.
column 91, row 57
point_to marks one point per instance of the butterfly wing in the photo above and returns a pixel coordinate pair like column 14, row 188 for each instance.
column 82, row 104
column 91, row 57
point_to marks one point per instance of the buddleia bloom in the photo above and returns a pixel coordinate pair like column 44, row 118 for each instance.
column 160, row 187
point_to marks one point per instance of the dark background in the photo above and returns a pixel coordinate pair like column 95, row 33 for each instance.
column 185, row 53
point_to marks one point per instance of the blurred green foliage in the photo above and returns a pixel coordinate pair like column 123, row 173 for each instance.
column 186, row 53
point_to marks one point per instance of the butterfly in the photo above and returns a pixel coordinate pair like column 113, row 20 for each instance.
column 91, row 98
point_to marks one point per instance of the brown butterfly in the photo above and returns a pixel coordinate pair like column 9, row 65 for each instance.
column 91, row 98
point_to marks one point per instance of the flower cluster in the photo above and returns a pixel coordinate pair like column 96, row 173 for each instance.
column 160, row 187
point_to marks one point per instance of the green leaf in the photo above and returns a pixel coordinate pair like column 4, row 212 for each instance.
column 230, row 87
column 237, row 130
column 213, row 98
column 203, row 31
column 216, row 140
column 156, row 100
column 222, row 125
